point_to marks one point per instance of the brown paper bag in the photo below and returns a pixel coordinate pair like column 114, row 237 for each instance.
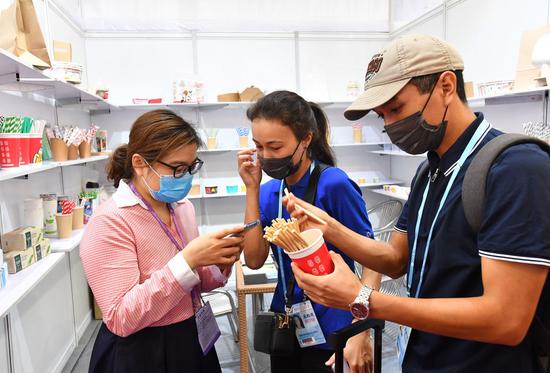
column 30, row 45
column 526, row 73
column 8, row 27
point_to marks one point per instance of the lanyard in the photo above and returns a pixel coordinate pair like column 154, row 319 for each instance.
column 480, row 133
column 280, row 215
column 167, row 231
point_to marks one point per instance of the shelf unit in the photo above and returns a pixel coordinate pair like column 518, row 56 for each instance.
column 24, row 171
column 398, row 153
column 65, row 245
column 16, row 76
column 398, row 196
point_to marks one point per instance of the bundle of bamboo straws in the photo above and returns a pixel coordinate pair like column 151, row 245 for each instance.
column 285, row 234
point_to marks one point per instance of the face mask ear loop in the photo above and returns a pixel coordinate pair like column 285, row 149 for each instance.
column 430, row 96
column 445, row 113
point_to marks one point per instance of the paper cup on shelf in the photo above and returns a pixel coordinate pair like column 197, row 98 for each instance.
column 243, row 141
column 357, row 135
column 314, row 259
column 64, row 225
column 24, row 149
column 72, row 153
column 35, row 148
column 49, row 206
column 85, row 149
column 78, row 218
column 60, row 150
column 212, row 143
column 9, row 149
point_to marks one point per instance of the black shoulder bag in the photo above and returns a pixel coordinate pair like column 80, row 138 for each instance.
column 274, row 332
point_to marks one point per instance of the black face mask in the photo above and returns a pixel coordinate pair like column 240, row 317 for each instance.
column 416, row 136
column 280, row 168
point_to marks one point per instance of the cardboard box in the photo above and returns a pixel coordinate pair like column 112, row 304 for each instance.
column 251, row 94
column 229, row 97
column 42, row 250
column 19, row 260
column 21, row 239
column 62, row 51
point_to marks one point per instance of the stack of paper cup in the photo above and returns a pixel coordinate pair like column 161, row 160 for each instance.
column 49, row 206
column 33, row 215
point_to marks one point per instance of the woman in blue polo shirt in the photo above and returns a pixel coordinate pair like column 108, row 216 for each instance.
column 291, row 141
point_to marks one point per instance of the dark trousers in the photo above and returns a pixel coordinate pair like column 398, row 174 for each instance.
column 166, row 349
column 304, row 360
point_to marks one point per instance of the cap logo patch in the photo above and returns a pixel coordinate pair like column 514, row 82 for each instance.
column 374, row 67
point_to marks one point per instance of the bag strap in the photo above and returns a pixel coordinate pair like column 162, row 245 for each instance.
column 311, row 194
column 475, row 179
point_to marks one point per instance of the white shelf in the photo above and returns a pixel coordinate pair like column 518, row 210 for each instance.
column 67, row 244
column 13, row 173
column 33, row 80
column 359, row 144
column 221, row 150
column 398, row 153
column 380, row 183
column 20, row 284
column 398, row 196
column 225, row 194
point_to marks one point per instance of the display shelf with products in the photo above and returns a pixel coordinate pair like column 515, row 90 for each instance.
column 394, row 195
column 67, row 244
column 22, row 171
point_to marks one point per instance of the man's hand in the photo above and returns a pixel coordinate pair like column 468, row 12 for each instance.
column 358, row 354
column 336, row 290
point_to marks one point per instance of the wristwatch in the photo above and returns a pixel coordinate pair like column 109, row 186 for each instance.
column 360, row 306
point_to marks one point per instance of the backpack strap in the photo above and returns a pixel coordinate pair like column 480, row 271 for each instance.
column 475, row 179
column 421, row 174
column 311, row 191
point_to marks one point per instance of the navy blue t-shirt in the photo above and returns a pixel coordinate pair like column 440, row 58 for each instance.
column 515, row 228
column 341, row 198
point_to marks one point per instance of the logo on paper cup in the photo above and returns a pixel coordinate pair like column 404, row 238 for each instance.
column 322, row 268
column 317, row 259
column 310, row 263
column 315, row 271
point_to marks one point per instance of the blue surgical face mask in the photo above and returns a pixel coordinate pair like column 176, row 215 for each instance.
column 171, row 189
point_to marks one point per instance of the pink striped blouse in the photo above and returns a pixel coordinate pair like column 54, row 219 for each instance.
column 137, row 275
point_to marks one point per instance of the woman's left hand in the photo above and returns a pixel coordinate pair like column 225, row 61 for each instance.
column 358, row 354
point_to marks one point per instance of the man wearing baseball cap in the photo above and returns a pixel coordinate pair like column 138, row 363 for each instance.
column 472, row 296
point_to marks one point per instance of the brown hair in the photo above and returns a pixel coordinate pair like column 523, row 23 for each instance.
column 152, row 135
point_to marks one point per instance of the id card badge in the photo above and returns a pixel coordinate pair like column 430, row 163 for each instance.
column 207, row 327
column 308, row 330
column 402, row 342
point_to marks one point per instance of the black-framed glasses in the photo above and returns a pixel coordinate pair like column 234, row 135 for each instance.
column 181, row 170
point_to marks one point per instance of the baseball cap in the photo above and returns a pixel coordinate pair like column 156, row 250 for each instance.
column 396, row 64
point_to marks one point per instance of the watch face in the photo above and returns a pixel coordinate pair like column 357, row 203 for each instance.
column 359, row 311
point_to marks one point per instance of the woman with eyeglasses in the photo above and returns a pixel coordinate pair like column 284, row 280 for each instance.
column 145, row 261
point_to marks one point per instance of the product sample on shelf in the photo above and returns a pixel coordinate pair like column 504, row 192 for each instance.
column 21, row 239
column 20, row 141
column 23, row 247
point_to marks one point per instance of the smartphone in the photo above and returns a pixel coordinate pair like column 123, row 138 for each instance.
column 247, row 227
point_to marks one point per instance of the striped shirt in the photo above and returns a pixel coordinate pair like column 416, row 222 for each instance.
column 136, row 273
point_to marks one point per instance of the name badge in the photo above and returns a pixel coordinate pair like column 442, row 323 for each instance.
column 207, row 327
column 308, row 330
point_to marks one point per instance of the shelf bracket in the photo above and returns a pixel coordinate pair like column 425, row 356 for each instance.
column 60, row 102
column 100, row 111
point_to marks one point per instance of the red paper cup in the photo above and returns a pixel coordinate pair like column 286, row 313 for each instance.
column 35, row 148
column 9, row 150
column 314, row 259
column 24, row 149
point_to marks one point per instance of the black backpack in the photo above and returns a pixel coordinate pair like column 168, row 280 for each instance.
column 473, row 201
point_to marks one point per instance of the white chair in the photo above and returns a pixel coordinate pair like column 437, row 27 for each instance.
column 223, row 304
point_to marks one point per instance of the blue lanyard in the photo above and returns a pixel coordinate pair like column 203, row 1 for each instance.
column 280, row 215
column 480, row 133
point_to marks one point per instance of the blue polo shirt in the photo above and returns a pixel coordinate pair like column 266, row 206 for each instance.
column 341, row 198
column 515, row 228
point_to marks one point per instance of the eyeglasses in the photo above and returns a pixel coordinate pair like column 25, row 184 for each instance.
column 181, row 170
